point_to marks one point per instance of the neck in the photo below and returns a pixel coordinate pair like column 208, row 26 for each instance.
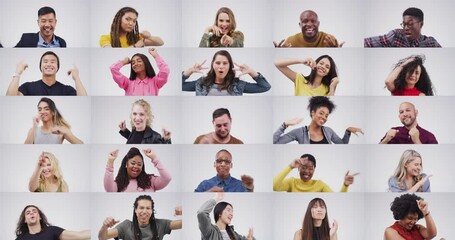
column 47, row 125
column 317, row 81
column 49, row 80
column 411, row 126
column 141, row 75
column 221, row 140
column 410, row 85
column 46, row 39
column 315, row 127
column 313, row 39
column 219, row 80
column 34, row 229
column 317, row 223
column 221, row 225
column 223, row 177
column 141, row 129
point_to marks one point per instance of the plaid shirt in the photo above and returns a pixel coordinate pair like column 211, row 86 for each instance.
column 397, row 38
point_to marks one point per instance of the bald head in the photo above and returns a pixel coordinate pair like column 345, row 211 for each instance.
column 408, row 114
column 407, row 105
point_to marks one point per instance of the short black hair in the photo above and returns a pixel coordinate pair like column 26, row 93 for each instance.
column 46, row 10
column 404, row 205
column 220, row 112
column 415, row 12
column 50, row 53
column 320, row 101
column 310, row 158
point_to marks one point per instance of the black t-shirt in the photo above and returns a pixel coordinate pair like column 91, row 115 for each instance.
column 49, row 233
column 39, row 88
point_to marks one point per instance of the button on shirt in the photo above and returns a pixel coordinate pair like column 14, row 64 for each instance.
column 402, row 136
column 230, row 184
column 53, row 44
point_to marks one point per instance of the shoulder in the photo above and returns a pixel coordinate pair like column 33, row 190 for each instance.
column 29, row 35
column 126, row 223
column 298, row 234
column 61, row 40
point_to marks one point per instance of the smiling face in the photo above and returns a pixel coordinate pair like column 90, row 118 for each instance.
column 414, row 167
column 409, row 221
column 32, row 216
column 227, row 215
column 47, row 170
column 221, row 67
column 139, row 117
column 47, row 24
column 318, row 211
column 222, row 126
column 320, row 116
column 306, row 170
column 413, row 76
column 323, row 67
column 223, row 164
column 224, row 23
column 407, row 114
column 144, row 211
column 134, row 166
column 128, row 23
column 44, row 112
column 49, row 65
column 137, row 64
column 412, row 27
column 309, row 24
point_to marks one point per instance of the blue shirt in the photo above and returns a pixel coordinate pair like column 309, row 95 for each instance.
column 393, row 185
column 42, row 44
column 230, row 184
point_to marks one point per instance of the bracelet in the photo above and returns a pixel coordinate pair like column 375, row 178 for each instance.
column 428, row 213
column 284, row 125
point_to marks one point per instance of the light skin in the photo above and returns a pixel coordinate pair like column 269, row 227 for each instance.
column 44, row 168
column 46, row 24
column 411, row 79
column 222, row 28
column 414, row 169
column 323, row 68
column 410, row 220
column 139, row 119
column 412, row 27
column 144, row 212
column 408, row 117
column 318, row 213
column 45, row 115
column 49, row 68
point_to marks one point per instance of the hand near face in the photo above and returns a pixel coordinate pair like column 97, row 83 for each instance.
column 113, row 155
column 178, row 211
column 309, row 62
column 153, row 52
column 126, row 60
column 330, row 41
column 247, row 182
column 355, row 130
column 226, row 40
column 145, row 35
column 281, row 44
column 250, row 234
column 74, row 72
column 215, row 189
column 166, row 134
column 197, row 68
column 41, row 160
column 415, row 135
column 423, row 206
column 36, row 120
column 149, row 153
column 349, row 178
column 110, row 222
column 21, row 66
column 122, row 126
column 213, row 29
column 333, row 228
column 243, row 68
column 294, row 121
column 296, row 162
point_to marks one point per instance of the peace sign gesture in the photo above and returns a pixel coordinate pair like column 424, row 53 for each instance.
column 244, row 69
column 196, row 68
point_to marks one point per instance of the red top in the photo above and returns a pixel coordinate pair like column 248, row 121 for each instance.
column 413, row 234
column 407, row 92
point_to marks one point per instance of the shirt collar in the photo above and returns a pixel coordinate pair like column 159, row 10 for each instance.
column 43, row 44
column 145, row 81
column 226, row 181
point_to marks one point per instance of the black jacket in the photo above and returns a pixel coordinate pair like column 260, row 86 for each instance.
column 31, row 40
column 150, row 136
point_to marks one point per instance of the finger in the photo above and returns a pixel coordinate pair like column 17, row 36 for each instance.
column 355, row 174
column 341, row 44
column 347, row 173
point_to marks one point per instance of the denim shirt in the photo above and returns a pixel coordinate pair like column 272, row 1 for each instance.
column 230, row 184
column 238, row 86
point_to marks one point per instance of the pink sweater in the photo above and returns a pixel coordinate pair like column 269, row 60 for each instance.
column 137, row 87
column 157, row 182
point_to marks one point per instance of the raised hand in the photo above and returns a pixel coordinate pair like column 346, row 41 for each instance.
column 293, row 121
column 226, row 40
column 247, row 182
column 178, row 211
column 331, row 42
column 196, row 68
column 126, row 60
column 349, row 178
column 110, row 222
column 74, row 72
column 354, row 130
column 250, row 234
column 149, row 153
column 218, row 196
column 333, row 228
column 21, row 66
column 153, row 52
column 213, row 29
column 281, row 44
column 36, row 120
column 122, row 126
column 166, row 134
column 309, row 62
column 243, row 68
column 41, row 160
column 334, row 82
column 113, row 155
column 423, row 206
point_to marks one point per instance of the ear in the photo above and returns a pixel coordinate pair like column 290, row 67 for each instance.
column 417, row 112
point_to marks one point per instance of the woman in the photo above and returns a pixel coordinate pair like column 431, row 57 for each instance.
column 316, row 133
column 47, row 176
column 142, row 81
column 408, row 176
column 144, row 224
column 410, row 78
column 141, row 121
column 221, row 79
column 323, row 78
column 223, row 212
column 222, row 33
column 407, row 210
column 316, row 223
column 131, row 176
column 54, row 128
column 125, row 32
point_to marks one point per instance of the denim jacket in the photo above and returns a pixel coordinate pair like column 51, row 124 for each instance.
column 238, row 86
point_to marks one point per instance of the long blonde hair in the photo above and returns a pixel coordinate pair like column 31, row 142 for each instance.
column 56, row 171
column 400, row 172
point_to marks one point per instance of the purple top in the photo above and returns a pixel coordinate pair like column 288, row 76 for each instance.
column 147, row 86
column 402, row 136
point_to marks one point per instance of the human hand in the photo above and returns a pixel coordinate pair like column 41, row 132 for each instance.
column 145, row 35
column 334, row 82
column 349, row 178
column 60, row 130
column 149, row 153
column 196, row 68
column 293, row 121
column 122, row 126
column 423, row 206
column 213, row 29
column 215, row 189
column 391, row 134
column 226, row 40
column 126, row 60
column 218, row 196
column 178, row 211
column 334, row 228
column 250, row 234
column 153, row 52
column 330, row 41
column 110, row 222
column 247, row 182
column 407, row 61
column 424, row 179
column 243, row 68
column 281, row 44
column 36, row 120
column 309, row 62
column 354, row 130
column 20, row 67
column 74, row 72
column 166, row 134
column 113, row 155
column 297, row 162
column 41, row 161
column 414, row 134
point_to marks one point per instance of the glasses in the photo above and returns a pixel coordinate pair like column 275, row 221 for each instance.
column 220, row 161
column 409, row 24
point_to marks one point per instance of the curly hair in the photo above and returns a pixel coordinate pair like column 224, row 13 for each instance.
column 122, row 179
column 404, row 205
column 424, row 82
column 326, row 80
column 149, row 71
column 211, row 76
column 22, row 228
column 308, row 229
column 215, row 41
column 408, row 156
column 217, row 211
column 116, row 28
column 152, row 221
column 320, row 101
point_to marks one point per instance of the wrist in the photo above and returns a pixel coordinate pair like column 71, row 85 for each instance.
column 284, row 125
column 426, row 214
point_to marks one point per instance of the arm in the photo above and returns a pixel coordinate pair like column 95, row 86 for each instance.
column 31, row 133
column 196, row 68
column 205, row 40
column 13, row 88
column 33, row 184
column 80, row 89
column 65, row 187
column 125, row 133
column 279, row 184
column 429, row 231
column 260, row 86
column 106, row 233
column 158, row 182
column 422, row 183
column 162, row 76
column 380, row 41
column 390, row 80
column 392, row 234
column 390, row 135
column 109, row 184
column 279, row 138
column 298, row 235
column 238, row 39
column 105, row 41
column 150, row 40
column 70, row 137
column 333, row 86
column 74, row 235
column 189, row 86
column 203, row 217
column 121, row 80
column 283, row 66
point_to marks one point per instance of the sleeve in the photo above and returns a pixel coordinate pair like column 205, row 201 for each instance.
column 380, row 41
column 260, row 86
column 21, row 42
column 125, row 134
column 426, row 184
column 105, row 39
column 432, row 139
column 189, row 86
column 109, row 184
column 56, row 231
column 393, row 185
column 279, row 183
column 280, row 138
column 325, row 187
column 205, row 41
column 161, row 181
column 203, row 217
column 122, row 228
column 337, row 140
column 163, row 74
column 163, row 226
column 344, row 188
column 238, row 39
column 121, row 80
column 202, row 187
column 23, row 89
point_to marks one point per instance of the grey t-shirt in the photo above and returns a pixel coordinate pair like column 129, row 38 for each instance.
column 126, row 231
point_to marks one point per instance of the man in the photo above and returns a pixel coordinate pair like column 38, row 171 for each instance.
column 310, row 35
column 45, row 38
column 306, row 165
column 221, row 119
column 223, row 182
column 410, row 132
column 33, row 225
column 48, row 85
column 409, row 36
